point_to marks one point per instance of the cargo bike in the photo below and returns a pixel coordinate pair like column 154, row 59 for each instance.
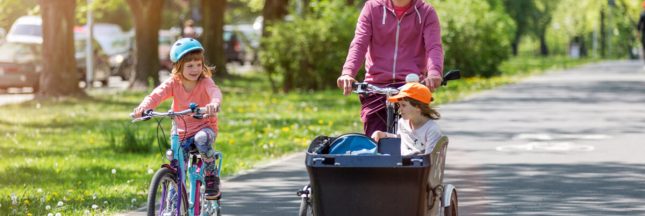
column 353, row 175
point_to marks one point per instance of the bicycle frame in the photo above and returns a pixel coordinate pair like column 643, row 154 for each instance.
column 392, row 116
column 195, row 173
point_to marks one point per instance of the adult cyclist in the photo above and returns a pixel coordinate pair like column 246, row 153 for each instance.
column 393, row 38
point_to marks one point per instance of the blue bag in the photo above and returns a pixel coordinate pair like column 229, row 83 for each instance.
column 353, row 144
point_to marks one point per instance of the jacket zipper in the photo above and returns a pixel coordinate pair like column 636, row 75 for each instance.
column 396, row 50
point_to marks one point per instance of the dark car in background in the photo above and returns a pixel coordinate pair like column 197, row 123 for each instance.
column 234, row 47
column 20, row 65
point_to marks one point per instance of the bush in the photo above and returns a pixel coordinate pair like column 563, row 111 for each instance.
column 309, row 52
column 476, row 37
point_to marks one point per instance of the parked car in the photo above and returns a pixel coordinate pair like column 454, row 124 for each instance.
column 28, row 29
column 116, row 45
column 234, row 47
column 20, row 65
column 250, row 38
column 101, row 69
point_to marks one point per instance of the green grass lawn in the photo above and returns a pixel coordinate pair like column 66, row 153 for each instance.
column 84, row 156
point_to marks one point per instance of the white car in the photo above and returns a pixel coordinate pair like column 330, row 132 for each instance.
column 28, row 30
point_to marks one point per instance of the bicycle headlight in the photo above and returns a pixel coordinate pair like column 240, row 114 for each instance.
column 169, row 155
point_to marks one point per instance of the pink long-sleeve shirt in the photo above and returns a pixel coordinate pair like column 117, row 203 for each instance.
column 392, row 48
column 205, row 92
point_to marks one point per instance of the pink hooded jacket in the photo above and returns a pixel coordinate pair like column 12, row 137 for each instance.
column 392, row 48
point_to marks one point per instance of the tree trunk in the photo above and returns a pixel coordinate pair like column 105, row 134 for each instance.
column 544, row 48
column 213, row 36
column 603, row 36
column 273, row 11
column 60, row 77
column 147, row 21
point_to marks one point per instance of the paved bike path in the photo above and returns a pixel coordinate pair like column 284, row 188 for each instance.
column 562, row 143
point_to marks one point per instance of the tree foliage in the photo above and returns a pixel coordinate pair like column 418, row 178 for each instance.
column 308, row 52
column 10, row 10
column 476, row 36
column 585, row 22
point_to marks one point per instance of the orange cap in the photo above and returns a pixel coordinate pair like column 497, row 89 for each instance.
column 415, row 91
column 643, row 4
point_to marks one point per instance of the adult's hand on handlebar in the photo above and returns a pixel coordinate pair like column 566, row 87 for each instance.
column 345, row 82
column 433, row 82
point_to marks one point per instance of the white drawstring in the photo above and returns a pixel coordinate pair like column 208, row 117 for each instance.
column 418, row 14
column 384, row 14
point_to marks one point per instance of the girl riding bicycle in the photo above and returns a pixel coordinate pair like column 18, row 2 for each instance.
column 190, row 82
column 416, row 127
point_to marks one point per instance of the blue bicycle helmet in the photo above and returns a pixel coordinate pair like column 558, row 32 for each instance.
column 183, row 46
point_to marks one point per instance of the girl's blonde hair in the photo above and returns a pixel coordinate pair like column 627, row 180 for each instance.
column 178, row 67
column 426, row 110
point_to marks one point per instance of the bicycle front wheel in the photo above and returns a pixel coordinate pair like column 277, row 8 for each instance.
column 163, row 195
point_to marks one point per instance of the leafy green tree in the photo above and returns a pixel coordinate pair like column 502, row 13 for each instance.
column 518, row 10
column 10, row 10
column 476, row 36
column 541, row 18
column 273, row 12
column 308, row 52
column 585, row 22
column 107, row 11
column 59, row 78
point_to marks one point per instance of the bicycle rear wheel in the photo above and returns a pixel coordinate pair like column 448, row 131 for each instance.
column 305, row 207
column 163, row 194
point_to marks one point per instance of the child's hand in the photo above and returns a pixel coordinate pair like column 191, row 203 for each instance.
column 377, row 135
column 211, row 109
column 138, row 112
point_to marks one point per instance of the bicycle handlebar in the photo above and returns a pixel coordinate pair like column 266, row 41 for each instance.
column 198, row 112
column 366, row 88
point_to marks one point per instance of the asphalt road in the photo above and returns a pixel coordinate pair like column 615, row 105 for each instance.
column 563, row 143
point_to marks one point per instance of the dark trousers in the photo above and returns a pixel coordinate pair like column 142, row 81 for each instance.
column 373, row 112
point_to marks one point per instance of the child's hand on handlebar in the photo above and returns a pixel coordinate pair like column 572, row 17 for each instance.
column 345, row 82
column 138, row 112
column 211, row 109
